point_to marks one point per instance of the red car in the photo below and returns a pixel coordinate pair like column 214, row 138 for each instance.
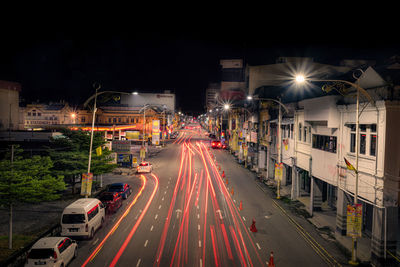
column 111, row 200
column 217, row 144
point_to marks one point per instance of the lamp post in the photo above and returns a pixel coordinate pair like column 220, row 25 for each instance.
column 91, row 134
column 327, row 88
column 278, row 195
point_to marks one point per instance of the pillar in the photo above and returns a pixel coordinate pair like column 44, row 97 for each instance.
column 295, row 184
column 316, row 195
column 383, row 229
column 341, row 212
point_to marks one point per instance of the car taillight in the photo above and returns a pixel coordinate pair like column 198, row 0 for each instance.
column 55, row 256
column 87, row 228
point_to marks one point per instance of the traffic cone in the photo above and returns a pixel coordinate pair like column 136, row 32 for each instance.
column 271, row 260
column 223, row 174
column 227, row 181
column 232, row 193
column 253, row 226
column 240, row 206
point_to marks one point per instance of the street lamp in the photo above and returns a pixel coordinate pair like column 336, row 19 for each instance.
column 327, row 88
column 278, row 195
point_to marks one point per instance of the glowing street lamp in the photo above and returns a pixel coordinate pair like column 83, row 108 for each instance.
column 327, row 88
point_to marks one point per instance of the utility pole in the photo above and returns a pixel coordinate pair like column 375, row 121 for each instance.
column 11, row 211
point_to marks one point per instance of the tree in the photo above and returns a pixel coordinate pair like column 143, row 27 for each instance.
column 27, row 180
column 70, row 154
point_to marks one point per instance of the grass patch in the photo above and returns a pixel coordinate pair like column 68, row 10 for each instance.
column 19, row 241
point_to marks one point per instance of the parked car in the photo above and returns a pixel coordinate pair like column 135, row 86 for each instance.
column 217, row 144
column 52, row 251
column 111, row 200
column 144, row 167
column 82, row 218
column 122, row 188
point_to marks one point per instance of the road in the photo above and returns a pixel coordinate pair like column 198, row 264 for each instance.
column 186, row 213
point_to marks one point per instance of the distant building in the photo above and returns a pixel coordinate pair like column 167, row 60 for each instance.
column 9, row 105
column 212, row 93
column 233, row 85
column 45, row 116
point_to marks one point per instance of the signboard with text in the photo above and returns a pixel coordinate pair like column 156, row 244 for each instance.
column 86, row 184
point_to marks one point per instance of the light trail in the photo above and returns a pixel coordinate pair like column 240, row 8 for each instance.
column 98, row 248
column 134, row 228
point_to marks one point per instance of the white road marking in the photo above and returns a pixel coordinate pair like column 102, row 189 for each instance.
column 151, row 229
column 198, row 216
column 198, row 207
column 201, row 263
column 155, row 217
column 199, row 243
column 138, row 262
column 259, row 248
column 198, row 227
column 162, row 199
column 244, row 218
column 159, row 207
column 234, row 200
column 95, row 241
column 145, row 243
column 165, row 192
column 167, row 187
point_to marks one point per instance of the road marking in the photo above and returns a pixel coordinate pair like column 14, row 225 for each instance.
column 234, row 200
column 198, row 207
column 145, row 243
column 198, row 227
column 244, row 218
column 138, row 262
column 155, row 217
column 198, row 216
column 151, row 229
column 201, row 263
column 167, row 187
column 199, row 243
column 259, row 248
column 165, row 192
column 95, row 241
column 162, row 199
column 159, row 207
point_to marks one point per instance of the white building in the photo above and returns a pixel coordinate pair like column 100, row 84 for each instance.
column 324, row 130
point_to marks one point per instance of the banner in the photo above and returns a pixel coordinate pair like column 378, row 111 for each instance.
column 354, row 220
column 86, row 184
column 278, row 171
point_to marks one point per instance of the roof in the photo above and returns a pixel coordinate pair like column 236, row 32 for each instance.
column 48, row 242
column 82, row 202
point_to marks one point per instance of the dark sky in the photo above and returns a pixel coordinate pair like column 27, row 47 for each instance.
column 63, row 63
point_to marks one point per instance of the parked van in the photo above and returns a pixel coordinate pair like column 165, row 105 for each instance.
column 82, row 218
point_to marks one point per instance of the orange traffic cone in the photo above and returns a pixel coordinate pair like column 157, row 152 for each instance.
column 232, row 193
column 253, row 227
column 223, row 174
column 240, row 206
column 271, row 260
column 227, row 181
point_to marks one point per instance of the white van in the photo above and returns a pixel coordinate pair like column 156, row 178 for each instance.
column 82, row 218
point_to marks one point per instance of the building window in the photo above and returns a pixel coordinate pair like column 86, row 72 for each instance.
column 367, row 138
column 119, row 119
column 372, row 146
column 82, row 119
column 39, row 114
column 323, row 142
column 114, row 120
column 109, row 120
column 363, row 143
column 29, row 114
column 300, row 129
column 291, row 131
column 352, row 142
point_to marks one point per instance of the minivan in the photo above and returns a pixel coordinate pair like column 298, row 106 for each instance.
column 82, row 218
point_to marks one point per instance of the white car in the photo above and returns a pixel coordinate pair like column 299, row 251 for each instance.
column 52, row 251
column 144, row 167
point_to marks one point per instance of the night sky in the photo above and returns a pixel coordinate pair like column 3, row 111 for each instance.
column 62, row 64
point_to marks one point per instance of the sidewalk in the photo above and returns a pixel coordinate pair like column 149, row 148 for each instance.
column 326, row 219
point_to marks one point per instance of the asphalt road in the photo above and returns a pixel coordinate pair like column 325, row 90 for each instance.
column 187, row 214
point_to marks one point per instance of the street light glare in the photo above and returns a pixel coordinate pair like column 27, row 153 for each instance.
column 300, row 79
column 226, row 106
column 249, row 97
column 134, row 93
